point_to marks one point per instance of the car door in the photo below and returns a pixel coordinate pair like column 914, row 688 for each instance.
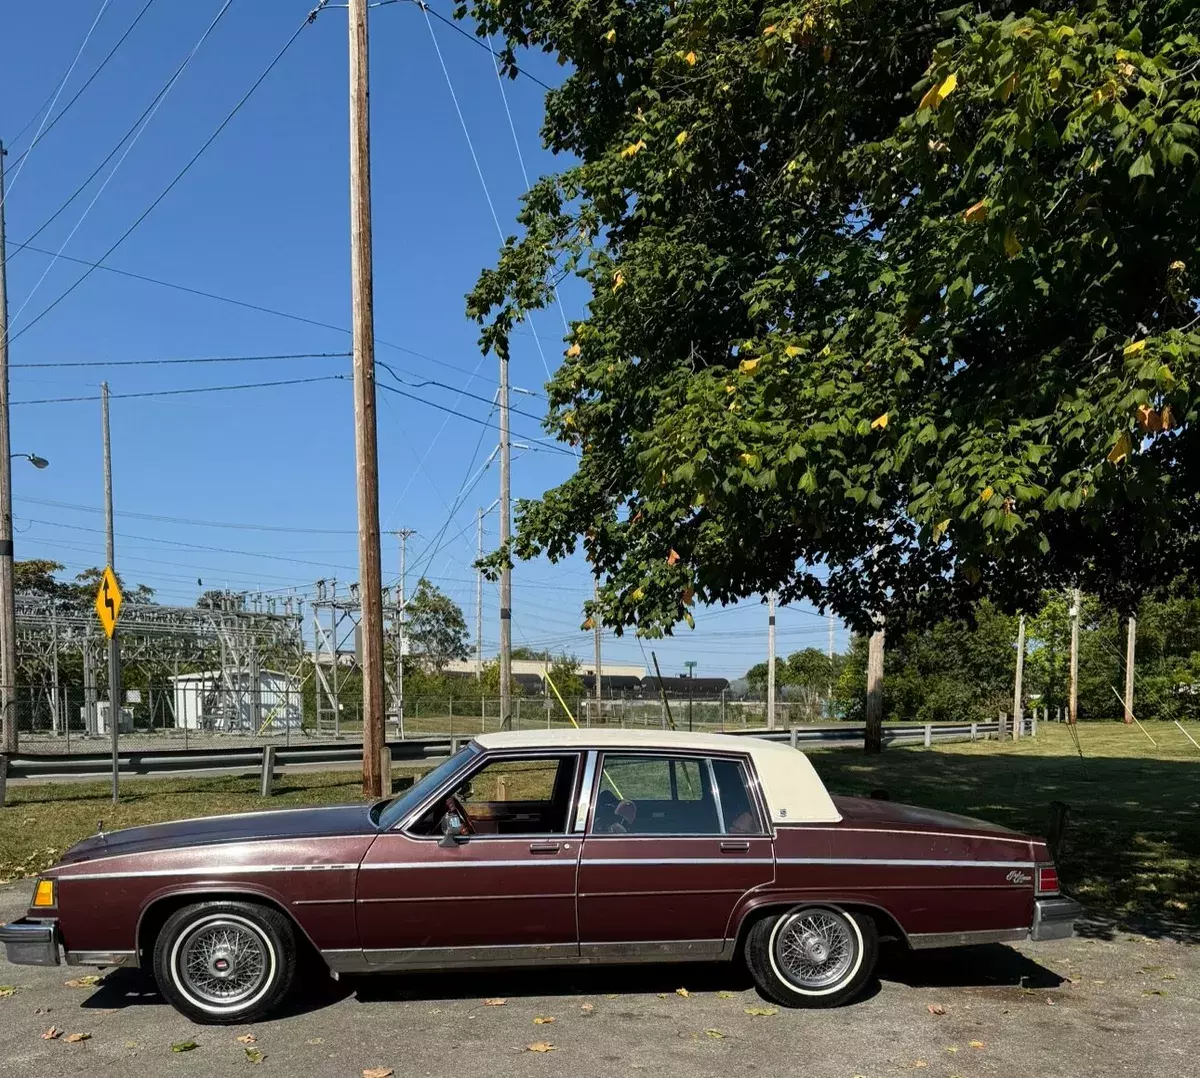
column 504, row 894
column 673, row 840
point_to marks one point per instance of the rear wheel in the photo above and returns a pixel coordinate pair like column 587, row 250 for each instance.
column 812, row 956
column 225, row 962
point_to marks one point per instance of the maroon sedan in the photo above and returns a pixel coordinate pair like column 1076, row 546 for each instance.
column 556, row 847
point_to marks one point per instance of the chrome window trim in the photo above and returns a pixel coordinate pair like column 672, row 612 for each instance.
column 482, row 760
column 584, row 804
column 215, row 871
column 979, row 836
column 903, row 862
column 716, row 793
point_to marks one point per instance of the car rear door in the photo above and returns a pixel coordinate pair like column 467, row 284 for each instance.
column 673, row 841
column 503, row 895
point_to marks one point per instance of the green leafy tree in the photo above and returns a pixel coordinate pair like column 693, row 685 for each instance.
column 38, row 576
column 435, row 625
column 902, row 290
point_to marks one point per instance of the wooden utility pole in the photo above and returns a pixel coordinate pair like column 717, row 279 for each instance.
column 8, row 611
column 771, row 660
column 1017, row 683
column 1130, row 652
column 596, row 629
column 478, row 596
column 505, row 572
column 1073, row 683
column 873, row 735
column 404, row 534
column 114, row 644
column 366, row 452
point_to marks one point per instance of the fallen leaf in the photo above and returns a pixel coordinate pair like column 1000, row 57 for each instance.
column 662, row 995
column 976, row 1044
column 682, row 992
column 1155, row 992
column 83, row 982
column 880, row 422
column 53, row 1033
column 75, row 1038
column 952, row 1048
column 762, row 1012
column 587, row 1008
column 378, row 1072
column 542, row 1021
column 537, row 1046
column 716, row 1034
column 918, row 1063
column 611, row 995
column 247, row 1038
column 254, row 1055
column 936, row 1008
column 184, row 1046
column 974, row 214
column 315, row 1040
column 1049, row 1002
column 495, row 1002
column 7, row 990
column 132, row 1044
column 725, row 995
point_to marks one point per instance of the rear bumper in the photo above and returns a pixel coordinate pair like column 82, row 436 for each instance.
column 31, row 943
column 1054, row 918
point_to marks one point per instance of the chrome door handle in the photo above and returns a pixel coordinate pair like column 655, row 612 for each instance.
column 735, row 847
column 544, row 847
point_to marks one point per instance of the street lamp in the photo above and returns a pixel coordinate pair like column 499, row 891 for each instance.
column 33, row 458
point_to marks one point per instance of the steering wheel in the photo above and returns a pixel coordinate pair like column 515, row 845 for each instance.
column 456, row 806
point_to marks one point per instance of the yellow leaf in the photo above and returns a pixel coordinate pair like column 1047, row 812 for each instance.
column 987, row 494
column 1063, row 31
column 762, row 1012
column 52, row 1034
column 1007, row 87
column 589, row 624
column 541, row 1046
column 691, row 621
column 681, row 138
column 574, row 350
column 769, row 30
column 748, row 366
column 716, row 1034
column 939, row 529
column 792, row 350
column 611, row 36
column 691, row 59
column 247, row 1038
column 935, row 95
column 1012, row 245
column 1120, row 451
column 729, row 389
column 75, row 1038
column 1134, row 348
column 378, row 1072
column 618, row 280
column 682, row 992
column 634, row 148
column 880, row 422
column 974, row 214
column 638, row 593
column 542, row 1021
column 1149, row 419
column 748, row 459
column 673, row 557
column 1168, row 420
column 976, row 1044
column 1054, row 78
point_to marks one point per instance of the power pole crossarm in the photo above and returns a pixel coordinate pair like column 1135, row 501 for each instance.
column 366, row 452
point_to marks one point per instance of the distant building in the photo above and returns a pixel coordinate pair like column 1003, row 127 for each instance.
column 204, row 701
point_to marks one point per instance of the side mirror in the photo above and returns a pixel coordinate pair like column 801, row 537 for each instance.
column 454, row 830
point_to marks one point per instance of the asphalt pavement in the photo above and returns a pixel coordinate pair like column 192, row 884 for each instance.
column 1083, row 1007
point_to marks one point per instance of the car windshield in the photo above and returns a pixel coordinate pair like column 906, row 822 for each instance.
column 388, row 814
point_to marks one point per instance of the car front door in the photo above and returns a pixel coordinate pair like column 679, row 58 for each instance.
column 672, row 842
column 504, row 894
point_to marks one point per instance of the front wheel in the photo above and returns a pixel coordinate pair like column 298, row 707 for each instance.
column 812, row 956
column 225, row 962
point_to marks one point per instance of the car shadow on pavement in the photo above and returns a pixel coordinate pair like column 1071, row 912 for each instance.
column 989, row 965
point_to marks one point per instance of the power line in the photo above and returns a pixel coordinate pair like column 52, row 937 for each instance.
column 183, row 392
column 78, row 93
column 171, row 362
column 54, row 100
column 178, row 176
column 454, row 389
column 474, row 40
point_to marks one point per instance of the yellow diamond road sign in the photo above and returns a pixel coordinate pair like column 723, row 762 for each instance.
column 108, row 601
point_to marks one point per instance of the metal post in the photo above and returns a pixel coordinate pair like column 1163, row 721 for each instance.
column 505, row 572
column 1073, row 695
column 478, row 596
column 366, row 452
column 114, row 646
column 974, row 730
column 8, row 611
column 771, row 661
column 1130, row 651
column 268, row 771
column 385, row 770
column 1033, row 724
column 928, row 734
column 1017, row 683
column 874, row 716
column 404, row 534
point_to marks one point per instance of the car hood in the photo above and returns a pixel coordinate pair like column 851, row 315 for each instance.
column 325, row 820
column 869, row 810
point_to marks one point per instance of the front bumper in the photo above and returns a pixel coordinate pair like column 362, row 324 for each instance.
column 1054, row 918
column 31, row 943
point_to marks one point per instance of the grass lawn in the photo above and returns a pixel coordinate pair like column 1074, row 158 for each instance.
column 1132, row 854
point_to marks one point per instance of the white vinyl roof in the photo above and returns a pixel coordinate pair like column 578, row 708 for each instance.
column 791, row 787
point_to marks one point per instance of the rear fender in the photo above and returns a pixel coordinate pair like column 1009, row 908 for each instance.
column 754, row 906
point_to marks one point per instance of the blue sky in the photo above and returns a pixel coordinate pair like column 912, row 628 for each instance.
column 262, row 217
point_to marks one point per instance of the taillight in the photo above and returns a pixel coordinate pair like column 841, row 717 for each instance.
column 1047, row 880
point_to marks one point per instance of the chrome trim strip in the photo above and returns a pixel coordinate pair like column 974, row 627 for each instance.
column 585, row 792
column 902, row 862
column 470, row 898
column 101, row 958
column 656, row 861
column 217, row 870
column 925, row 940
column 654, row 950
column 977, row 835
column 531, row 861
column 323, row 901
column 716, row 792
column 659, row 893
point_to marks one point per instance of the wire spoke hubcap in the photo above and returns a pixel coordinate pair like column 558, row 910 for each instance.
column 223, row 962
column 815, row 949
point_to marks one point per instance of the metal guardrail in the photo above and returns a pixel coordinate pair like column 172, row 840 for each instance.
column 57, row 766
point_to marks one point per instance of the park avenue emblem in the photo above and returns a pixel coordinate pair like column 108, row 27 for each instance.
column 1017, row 876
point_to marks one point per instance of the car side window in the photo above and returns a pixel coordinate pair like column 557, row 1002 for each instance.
column 527, row 795
column 738, row 810
column 649, row 794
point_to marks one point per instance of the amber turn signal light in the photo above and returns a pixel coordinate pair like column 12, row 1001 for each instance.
column 43, row 893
